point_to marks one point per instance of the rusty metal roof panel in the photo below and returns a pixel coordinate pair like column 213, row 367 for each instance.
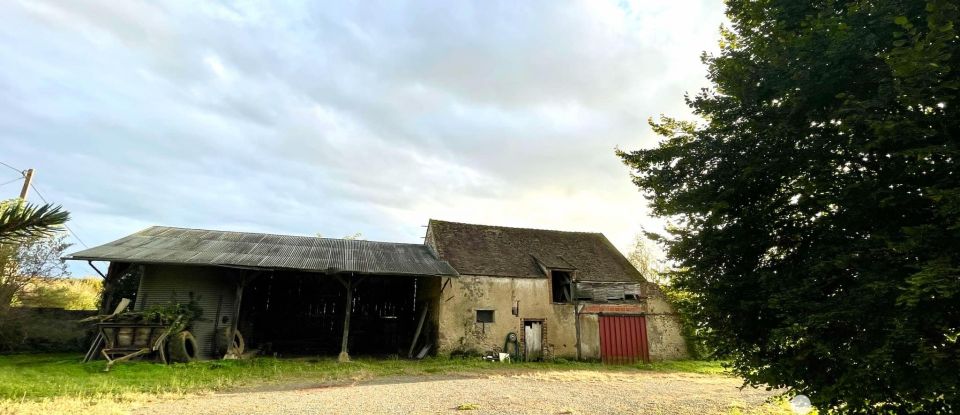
column 168, row 245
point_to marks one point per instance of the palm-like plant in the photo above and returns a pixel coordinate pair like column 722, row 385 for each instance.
column 20, row 220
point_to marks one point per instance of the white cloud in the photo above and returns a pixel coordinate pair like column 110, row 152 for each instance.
column 216, row 66
column 297, row 117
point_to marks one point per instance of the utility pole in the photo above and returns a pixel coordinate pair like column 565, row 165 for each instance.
column 27, row 177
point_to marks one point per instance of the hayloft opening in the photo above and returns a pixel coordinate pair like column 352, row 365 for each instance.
column 562, row 286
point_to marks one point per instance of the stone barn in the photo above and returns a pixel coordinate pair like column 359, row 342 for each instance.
column 564, row 294
column 469, row 289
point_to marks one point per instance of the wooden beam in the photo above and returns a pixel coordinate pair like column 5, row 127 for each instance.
column 344, row 353
column 243, row 279
column 236, row 314
column 416, row 334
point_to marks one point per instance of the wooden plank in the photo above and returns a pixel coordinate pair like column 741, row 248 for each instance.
column 416, row 334
column 533, row 341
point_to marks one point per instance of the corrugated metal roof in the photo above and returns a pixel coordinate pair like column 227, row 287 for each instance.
column 166, row 245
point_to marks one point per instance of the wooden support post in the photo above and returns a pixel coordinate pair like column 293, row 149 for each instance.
column 577, row 308
column 244, row 279
column 416, row 334
column 235, row 320
column 344, row 353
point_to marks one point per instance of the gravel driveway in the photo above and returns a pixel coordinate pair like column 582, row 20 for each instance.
column 562, row 392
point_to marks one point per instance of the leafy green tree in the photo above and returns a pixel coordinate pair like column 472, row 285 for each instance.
column 29, row 263
column 19, row 220
column 644, row 258
column 817, row 203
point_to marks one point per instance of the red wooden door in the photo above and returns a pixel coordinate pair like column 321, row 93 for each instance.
column 623, row 339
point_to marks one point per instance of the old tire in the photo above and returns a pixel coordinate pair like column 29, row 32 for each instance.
column 182, row 347
column 224, row 344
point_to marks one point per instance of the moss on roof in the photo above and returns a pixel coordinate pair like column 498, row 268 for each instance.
column 514, row 252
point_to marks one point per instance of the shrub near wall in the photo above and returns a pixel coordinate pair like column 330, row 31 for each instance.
column 29, row 329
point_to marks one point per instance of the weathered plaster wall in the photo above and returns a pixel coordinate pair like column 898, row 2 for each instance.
column 590, row 336
column 665, row 338
column 463, row 296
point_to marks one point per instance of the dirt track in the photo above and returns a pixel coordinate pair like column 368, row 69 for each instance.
column 567, row 392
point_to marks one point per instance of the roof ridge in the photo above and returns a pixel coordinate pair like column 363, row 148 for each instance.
column 515, row 227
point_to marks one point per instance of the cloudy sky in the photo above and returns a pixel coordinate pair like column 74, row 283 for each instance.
column 366, row 117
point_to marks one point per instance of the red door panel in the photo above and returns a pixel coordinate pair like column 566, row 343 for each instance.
column 623, row 339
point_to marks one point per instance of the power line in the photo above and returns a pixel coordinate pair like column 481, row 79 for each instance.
column 37, row 191
column 12, row 168
column 75, row 236
column 11, row 181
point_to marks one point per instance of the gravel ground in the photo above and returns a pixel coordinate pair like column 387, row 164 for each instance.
column 566, row 392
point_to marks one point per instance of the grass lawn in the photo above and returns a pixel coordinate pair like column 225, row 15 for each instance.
column 32, row 377
column 58, row 383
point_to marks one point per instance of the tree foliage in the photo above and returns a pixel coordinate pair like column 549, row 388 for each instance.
column 644, row 258
column 29, row 263
column 19, row 220
column 818, row 202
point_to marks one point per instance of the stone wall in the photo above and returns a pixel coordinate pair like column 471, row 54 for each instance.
column 663, row 327
column 664, row 337
column 459, row 332
column 30, row 329
column 462, row 297
column 590, row 336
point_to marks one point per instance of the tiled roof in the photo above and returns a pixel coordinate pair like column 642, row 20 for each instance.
column 515, row 252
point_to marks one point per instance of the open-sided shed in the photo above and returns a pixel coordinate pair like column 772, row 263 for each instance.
column 286, row 294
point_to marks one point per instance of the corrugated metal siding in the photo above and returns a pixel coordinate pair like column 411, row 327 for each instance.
column 623, row 339
column 166, row 245
column 209, row 287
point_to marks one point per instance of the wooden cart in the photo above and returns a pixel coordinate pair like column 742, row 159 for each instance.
column 125, row 341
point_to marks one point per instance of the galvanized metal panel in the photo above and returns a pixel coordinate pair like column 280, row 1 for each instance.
column 623, row 339
column 164, row 245
column 209, row 288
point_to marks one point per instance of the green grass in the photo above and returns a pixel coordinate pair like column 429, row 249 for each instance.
column 687, row 366
column 32, row 377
